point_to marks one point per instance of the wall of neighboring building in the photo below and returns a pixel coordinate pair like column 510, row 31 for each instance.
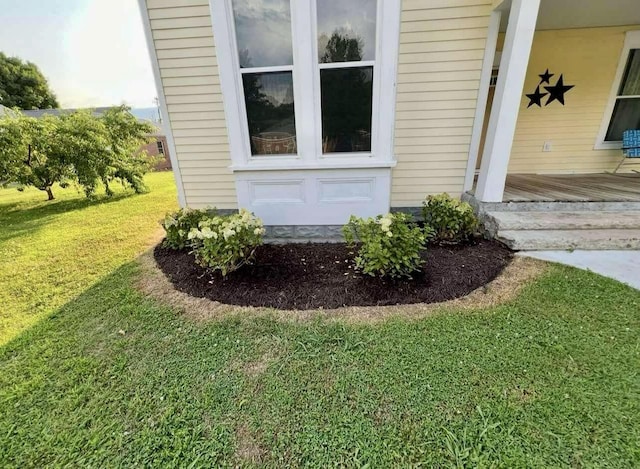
column 184, row 44
column 153, row 149
column 588, row 59
column 442, row 46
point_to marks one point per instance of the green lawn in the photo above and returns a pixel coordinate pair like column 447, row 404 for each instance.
column 51, row 252
column 93, row 374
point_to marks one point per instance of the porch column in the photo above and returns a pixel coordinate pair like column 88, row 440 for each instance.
column 506, row 102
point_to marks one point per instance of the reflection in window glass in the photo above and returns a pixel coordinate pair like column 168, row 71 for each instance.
column 270, row 113
column 631, row 80
column 263, row 31
column 346, row 30
column 626, row 116
column 346, row 109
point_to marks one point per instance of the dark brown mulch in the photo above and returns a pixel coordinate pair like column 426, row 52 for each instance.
column 311, row 276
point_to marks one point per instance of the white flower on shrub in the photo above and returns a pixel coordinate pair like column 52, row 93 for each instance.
column 226, row 242
column 169, row 221
column 385, row 222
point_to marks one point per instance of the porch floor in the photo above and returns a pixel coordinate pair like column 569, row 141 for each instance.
column 572, row 188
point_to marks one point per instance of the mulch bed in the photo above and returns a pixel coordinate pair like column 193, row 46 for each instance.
column 312, row 276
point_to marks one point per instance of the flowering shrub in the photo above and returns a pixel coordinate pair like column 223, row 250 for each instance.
column 178, row 224
column 452, row 220
column 226, row 243
column 390, row 244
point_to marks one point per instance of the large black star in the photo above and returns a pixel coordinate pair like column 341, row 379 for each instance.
column 557, row 91
column 536, row 98
column 546, row 77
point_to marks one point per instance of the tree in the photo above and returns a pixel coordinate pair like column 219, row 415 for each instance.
column 74, row 148
column 23, row 85
column 120, row 159
column 28, row 153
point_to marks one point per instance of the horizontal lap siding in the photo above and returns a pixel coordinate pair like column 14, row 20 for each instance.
column 184, row 44
column 588, row 59
column 442, row 46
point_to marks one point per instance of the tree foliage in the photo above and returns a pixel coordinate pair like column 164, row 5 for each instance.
column 76, row 147
column 23, row 85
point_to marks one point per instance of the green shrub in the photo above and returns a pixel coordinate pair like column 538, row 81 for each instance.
column 178, row 224
column 226, row 243
column 390, row 244
column 452, row 220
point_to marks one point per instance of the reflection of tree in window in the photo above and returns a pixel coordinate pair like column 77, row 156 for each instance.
column 342, row 48
column 245, row 58
column 270, row 112
column 346, row 97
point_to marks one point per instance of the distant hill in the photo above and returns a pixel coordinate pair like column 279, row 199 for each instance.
column 142, row 113
column 147, row 113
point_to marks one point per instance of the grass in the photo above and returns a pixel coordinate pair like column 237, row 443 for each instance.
column 52, row 251
column 111, row 378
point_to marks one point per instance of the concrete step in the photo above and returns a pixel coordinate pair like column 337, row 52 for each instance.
column 550, row 206
column 544, row 240
column 563, row 220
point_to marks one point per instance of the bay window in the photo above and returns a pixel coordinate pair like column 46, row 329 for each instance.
column 302, row 81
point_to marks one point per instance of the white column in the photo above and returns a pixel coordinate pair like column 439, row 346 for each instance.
column 506, row 103
column 483, row 96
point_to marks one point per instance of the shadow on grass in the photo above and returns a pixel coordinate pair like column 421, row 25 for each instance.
column 18, row 220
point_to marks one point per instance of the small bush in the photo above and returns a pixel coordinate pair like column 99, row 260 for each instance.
column 177, row 225
column 226, row 243
column 390, row 244
column 452, row 220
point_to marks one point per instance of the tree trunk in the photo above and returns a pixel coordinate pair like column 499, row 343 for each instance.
column 49, row 193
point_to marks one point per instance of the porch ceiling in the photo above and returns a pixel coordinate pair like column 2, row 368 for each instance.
column 568, row 14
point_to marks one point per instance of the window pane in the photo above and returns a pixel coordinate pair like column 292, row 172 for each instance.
column 626, row 116
column 631, row 80
column 270, row 112
column 346, row 30
column 346, row 109
column 263, row 31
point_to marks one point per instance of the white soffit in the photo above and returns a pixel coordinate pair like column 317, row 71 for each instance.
column 568, row 14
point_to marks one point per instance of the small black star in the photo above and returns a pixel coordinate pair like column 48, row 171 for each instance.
column 536, row 98
column 546, row 77
column 557, row 91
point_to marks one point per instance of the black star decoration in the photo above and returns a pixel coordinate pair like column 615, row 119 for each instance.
column 557, row 91
column 546, row 77
column 536, row 98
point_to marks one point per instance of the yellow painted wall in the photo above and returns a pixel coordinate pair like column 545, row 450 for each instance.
column 183, row 39
column 440, row 61
column 588, row 59
column 442, row 46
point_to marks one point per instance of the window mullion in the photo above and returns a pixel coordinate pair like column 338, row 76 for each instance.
column 303, row 80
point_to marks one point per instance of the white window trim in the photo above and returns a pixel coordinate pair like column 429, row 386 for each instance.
column 307, row 98
column 632, row 41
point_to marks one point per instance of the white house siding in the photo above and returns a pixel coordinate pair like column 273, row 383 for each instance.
column 186, row 53
column 442, row 45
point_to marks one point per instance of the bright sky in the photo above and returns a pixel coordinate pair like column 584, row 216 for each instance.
column 93, row 52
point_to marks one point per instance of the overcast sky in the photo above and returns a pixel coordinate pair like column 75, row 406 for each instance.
column 93, row 52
